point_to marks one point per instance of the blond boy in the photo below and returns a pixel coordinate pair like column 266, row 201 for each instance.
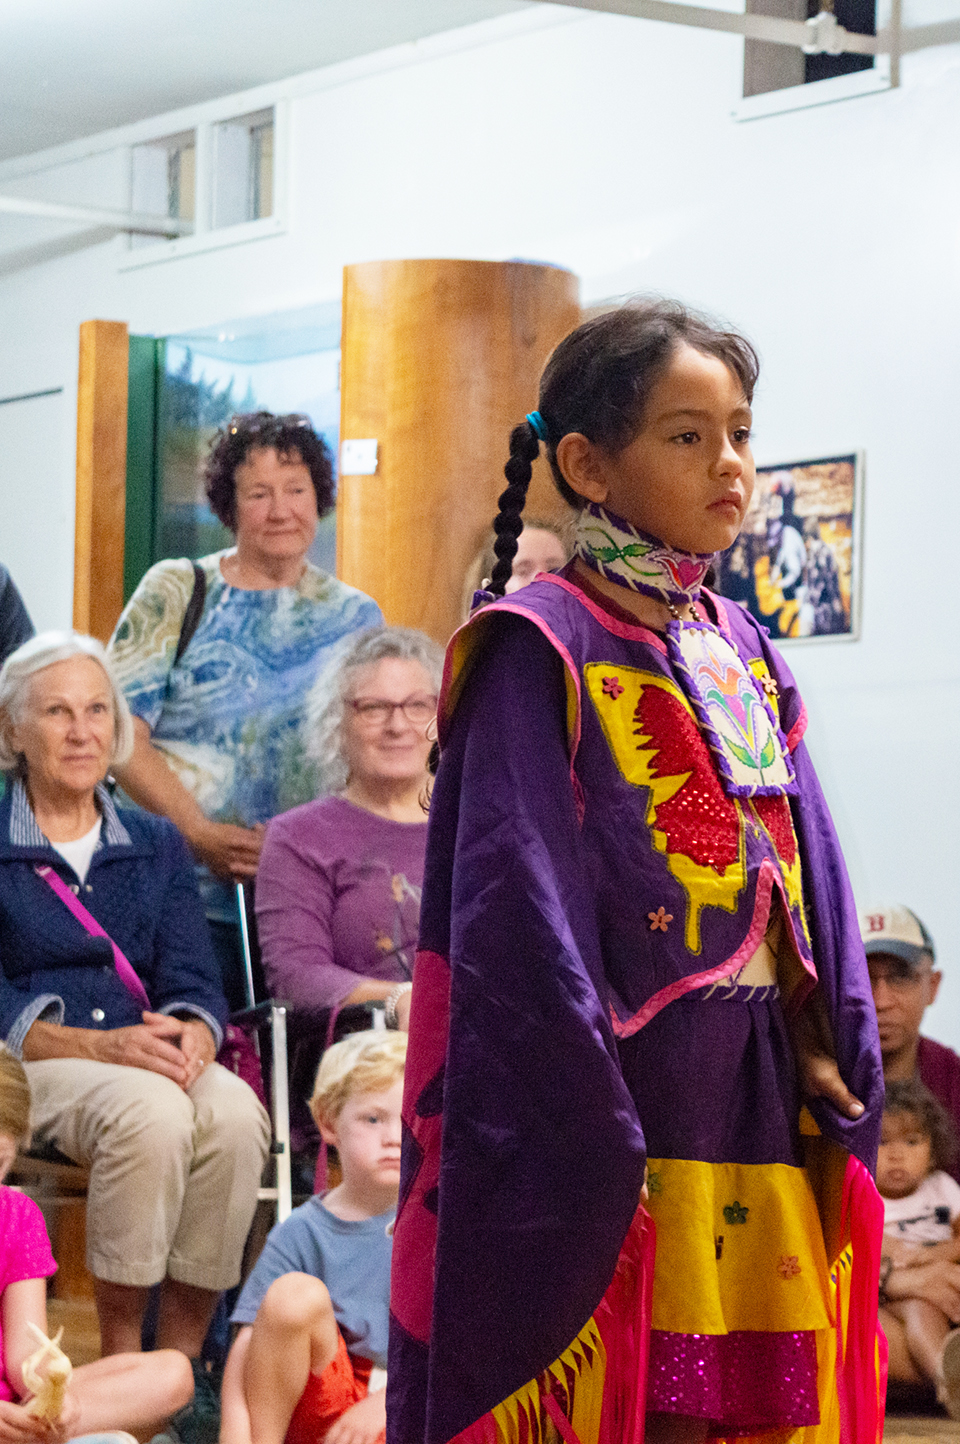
column 314, row 1311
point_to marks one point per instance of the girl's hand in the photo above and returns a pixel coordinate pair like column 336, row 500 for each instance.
column 816, row 1057
column 19, row 1427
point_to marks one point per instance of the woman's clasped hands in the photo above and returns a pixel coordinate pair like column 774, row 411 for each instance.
column 176, row 1048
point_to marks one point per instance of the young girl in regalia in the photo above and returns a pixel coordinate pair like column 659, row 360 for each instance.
column 640, row 971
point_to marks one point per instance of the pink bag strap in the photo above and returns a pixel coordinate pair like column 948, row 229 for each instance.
column 124, row 967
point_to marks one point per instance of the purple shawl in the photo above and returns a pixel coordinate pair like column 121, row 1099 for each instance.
column 523, row 1152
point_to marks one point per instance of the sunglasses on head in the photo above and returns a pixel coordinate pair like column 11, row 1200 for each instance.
column 260, row 424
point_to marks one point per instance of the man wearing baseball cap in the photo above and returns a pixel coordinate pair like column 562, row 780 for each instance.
column 900, row 956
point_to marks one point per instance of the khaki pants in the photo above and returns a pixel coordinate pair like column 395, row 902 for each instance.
column 173, row 1175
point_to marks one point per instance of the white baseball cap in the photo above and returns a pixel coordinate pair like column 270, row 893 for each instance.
column 894, row 929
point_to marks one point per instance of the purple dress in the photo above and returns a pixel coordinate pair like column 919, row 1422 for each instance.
column 591, row 895
column 338, row 902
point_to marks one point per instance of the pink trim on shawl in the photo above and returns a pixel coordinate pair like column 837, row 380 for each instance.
column 520, row 611
column 639, row 633
column 861, row 1344
column 411, row 1284
column 767, row 878
column 446, row 679
column 798, row 729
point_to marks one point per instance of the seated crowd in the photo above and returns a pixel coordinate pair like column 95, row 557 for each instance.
column 243, row 688
column 265, row 723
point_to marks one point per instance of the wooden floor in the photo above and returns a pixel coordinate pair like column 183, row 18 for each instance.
column 920, row 1431
column 81, row 1333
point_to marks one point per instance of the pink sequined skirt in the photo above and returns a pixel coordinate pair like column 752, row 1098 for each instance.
column 761, row 1381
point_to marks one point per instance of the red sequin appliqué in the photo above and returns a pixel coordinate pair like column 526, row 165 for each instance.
column 774, row 813
column 699, row 821
column 612, row 687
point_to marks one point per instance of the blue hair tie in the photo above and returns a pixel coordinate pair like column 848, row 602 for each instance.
column 538, row 424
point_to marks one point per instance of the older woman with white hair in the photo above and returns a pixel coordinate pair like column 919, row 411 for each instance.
column 338, row 888
column 110, row 994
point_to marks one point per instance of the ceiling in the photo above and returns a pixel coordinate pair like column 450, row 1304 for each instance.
column 71, row 68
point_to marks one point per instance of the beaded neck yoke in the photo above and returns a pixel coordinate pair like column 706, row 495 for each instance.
column 615, row 549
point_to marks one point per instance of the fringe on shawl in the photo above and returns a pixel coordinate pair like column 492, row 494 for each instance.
column 594, row 1392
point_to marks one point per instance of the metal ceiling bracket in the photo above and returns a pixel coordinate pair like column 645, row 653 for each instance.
column 127, row 221
column 817, row 35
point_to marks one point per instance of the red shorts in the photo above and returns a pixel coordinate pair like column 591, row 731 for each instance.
column 328, row 1395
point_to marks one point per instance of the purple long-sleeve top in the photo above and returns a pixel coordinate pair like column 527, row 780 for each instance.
column 338, row 901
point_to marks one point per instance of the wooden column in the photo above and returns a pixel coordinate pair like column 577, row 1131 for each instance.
column 440, row 360
column 101, row 477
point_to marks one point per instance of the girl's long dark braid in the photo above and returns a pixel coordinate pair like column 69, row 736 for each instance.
column 508, row 523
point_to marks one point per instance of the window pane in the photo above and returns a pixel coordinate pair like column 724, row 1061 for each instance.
column 163, row 181
column 261, row 171
column 181, row 181
column 243, row 188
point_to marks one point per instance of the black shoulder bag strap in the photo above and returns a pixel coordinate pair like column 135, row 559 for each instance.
column 191, row 617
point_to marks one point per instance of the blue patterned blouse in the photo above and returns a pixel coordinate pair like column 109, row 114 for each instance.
column 230, row 717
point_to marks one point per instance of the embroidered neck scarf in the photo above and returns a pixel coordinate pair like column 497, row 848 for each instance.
column 735, row 715
column 615, row 548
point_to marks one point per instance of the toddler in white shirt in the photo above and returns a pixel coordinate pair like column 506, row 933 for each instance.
column 921, row 1225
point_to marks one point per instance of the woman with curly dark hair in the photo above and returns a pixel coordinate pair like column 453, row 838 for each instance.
column 216, row 657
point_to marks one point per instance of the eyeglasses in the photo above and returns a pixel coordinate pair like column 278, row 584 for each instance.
column 901, row 979
column 377, row 712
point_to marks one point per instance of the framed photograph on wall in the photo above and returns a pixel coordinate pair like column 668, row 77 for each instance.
column 796, row 564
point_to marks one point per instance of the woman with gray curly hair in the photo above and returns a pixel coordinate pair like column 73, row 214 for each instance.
column 110, row 995
column 338, row 887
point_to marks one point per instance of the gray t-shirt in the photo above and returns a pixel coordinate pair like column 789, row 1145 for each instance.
column 351, row 1257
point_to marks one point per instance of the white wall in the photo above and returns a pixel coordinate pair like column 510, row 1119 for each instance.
column 35, row 456
column 831, row 235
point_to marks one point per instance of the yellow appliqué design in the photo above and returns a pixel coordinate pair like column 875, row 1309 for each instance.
column 693, row 823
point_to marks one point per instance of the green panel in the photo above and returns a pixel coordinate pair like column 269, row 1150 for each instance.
column 145, row 369
column 190, row 410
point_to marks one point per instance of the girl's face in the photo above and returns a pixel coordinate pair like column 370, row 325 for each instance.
column 905, row 1156
column 688, row 476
